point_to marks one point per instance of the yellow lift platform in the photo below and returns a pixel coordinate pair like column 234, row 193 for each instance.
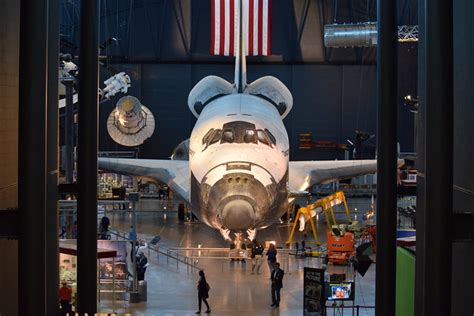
column 325, row 204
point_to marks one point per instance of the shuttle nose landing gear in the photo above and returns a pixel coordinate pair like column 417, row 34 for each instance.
column 225, row 232
column 251, row 234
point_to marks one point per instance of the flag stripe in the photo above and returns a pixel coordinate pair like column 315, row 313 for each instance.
column 269, row 28
column 260, row 26
column 231, row 31
column 226, row 27
column 245, row 25
column 213, row 27
column 264, row 27
column 217, row 25
column 251, row 27
column 255, row 28
column 222, row 28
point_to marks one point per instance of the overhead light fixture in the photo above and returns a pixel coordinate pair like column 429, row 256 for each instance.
column 131, row 123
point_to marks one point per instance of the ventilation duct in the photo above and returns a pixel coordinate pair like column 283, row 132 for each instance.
column 350, row 35
column 363, row 34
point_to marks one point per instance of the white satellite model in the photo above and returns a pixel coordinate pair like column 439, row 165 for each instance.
column 131, row 123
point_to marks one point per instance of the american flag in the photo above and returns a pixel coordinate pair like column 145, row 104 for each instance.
column 256, row 27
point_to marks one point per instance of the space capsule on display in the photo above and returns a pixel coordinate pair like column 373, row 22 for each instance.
column 130, row 123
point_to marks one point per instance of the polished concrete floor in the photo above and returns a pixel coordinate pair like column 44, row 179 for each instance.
column 234, row 290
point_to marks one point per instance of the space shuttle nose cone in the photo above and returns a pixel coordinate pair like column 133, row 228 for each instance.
column 238, row 215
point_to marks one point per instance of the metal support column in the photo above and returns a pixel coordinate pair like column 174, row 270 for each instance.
column 32, row 157
column 386, row 156
column 69, row 129
column 87, row 159
column 436, row 283
column 52, row 247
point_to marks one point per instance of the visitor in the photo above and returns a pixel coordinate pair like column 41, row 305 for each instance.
column 256, row 255
column 271, row 257
column 65, row 297
column 203, row 292
column 277, row 284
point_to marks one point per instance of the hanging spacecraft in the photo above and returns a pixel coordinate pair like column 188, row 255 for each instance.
column 130, row 123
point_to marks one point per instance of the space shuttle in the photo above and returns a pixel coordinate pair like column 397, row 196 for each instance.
column 238, row 178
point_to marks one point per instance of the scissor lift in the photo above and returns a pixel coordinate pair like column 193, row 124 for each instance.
column 326, row 205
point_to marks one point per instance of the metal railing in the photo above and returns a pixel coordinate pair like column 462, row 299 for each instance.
column 190, row 256
column 197, row 253
column 354, row 310
column 168, row 252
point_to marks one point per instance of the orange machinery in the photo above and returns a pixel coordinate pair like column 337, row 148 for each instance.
column 340, row 245
column 323, row 205
column 340, row 242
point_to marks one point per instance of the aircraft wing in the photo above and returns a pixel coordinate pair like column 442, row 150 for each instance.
column 303, row 174
column 175, row 173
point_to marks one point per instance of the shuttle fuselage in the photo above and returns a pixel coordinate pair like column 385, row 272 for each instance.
column 238, row 161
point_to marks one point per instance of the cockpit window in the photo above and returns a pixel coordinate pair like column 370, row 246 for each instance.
column 249, row 136
column 238, row 132
column 270, row 135
column 262, row 137
column 211, row 137
column 208, row 136
column 227, row 136
column 216, row 137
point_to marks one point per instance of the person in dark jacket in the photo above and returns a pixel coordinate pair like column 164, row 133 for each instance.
column 256, row 255
column 277, row 284
column 271, row 257
column 142, row 264
column 203, row 292
column 104, row 228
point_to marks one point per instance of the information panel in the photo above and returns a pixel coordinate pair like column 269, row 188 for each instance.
column 314, row 297
column 118, row 264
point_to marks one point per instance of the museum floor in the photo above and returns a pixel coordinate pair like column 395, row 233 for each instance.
column 234, row 290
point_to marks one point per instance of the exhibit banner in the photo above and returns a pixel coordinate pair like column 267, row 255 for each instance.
column 314, row 298
column 106, row 265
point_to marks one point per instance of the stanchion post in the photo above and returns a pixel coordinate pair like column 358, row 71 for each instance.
column 113, row 284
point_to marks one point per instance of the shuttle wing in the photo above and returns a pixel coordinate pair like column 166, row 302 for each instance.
column 175, row 173
column 303, row 174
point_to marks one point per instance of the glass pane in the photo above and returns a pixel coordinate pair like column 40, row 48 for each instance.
column 249, row 136
column 262, row 137
column 208, row 136
column 270, row 135
column 216, row 137
column 228, row 136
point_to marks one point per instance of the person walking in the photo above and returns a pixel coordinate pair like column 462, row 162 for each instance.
column 203, row 292
column 277, row 284
column 271, row 257
column 257, row 250
column 65, row 297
